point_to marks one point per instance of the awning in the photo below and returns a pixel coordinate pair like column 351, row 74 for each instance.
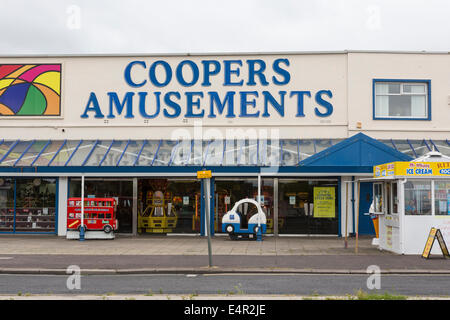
column 168, row 153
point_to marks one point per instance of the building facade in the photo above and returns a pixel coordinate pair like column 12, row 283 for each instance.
column 293, row 128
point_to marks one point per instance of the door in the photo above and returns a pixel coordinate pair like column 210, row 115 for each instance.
column 365, row 199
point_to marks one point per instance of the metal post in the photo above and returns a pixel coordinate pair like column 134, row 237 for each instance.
column 207, row 186
column 346, row 215
column 135, row 207
column 275, row 207
column 82, row 210
column 357, row 218
column 259, row 233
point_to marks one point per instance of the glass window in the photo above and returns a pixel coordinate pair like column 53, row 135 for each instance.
column 289, row 156
column 229, row 191
column 35, row 204
column 131, row 153
column 394, row 198
column 6, row 204
column 169, row 205
column 401, row 100
column 378, row 197
column 120, row 189
column 442, row 197
column 418, row 198
column 307, row 206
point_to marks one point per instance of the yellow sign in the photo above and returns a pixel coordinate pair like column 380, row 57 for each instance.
column 435, row 233
column 324, row 202
column 412, row 169
column 204, row 174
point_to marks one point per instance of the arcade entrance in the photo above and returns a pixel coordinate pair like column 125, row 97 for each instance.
column 168, row 205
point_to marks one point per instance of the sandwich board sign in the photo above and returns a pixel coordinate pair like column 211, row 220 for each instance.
column 435, row 233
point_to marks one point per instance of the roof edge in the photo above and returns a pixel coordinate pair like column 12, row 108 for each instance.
column 197, row 54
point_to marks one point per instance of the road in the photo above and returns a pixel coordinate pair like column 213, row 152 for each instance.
column 226, row 284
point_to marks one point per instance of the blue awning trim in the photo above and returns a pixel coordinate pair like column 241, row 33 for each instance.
column 73, row 152
column 56, row 153
column 358, row 151
column 25, row 151
column 107, row 151
column 123, row 152
column 39, row 154
column 9, row 150
column 90, row 153
column 157, row 150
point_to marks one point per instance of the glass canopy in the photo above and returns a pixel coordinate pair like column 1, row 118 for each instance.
column 283, row 152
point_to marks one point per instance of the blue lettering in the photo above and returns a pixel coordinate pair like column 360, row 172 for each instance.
column 424, row 171
column 279, row 107
column 228, row 72
column 207, row 72
column 328, row 106
column 152, row 73
column 300, row 103
column 95, row 107
column 142, row 98
column 119, row 106
column 282, row 72
column 130, row 82
column 190, row 103
column 195, row 73
column 245, row 103
column 252, row 72
column 214, row 99
column 172, row 104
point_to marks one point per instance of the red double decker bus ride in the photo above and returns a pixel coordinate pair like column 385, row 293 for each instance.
column 99, row 214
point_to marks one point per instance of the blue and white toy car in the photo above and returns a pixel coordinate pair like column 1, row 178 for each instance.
column 257, row 224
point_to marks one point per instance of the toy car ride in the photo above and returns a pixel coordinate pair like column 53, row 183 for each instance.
column 233, row 222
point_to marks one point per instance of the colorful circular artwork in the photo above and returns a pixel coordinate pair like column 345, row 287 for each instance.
column 30, row 90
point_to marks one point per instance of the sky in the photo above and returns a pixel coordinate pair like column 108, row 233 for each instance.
column 210, row 26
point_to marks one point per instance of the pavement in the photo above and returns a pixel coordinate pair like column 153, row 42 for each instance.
column 188, row 254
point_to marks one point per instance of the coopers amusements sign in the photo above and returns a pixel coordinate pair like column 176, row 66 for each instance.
column 249, row 88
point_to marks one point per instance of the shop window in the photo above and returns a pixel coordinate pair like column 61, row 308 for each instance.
column 119, row 189
column 229, row 191
column 6, row 204
column 168, row 206
column 307, row 206
column 442, row 197
column 395, row 99
column 417, row 198
column 35, row 205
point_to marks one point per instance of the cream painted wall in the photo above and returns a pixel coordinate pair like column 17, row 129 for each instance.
column 363, row 67
column 348, row 76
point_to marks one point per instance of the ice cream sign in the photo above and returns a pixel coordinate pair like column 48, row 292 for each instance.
column 412, row 169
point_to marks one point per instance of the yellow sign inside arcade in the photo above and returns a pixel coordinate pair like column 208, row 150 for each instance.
column 412, row 169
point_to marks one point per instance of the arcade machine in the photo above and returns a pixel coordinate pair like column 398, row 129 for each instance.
column 159, row 216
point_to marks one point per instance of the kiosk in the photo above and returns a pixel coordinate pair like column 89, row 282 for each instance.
column 410, row 198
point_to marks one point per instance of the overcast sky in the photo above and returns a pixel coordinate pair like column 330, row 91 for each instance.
column 210, row 26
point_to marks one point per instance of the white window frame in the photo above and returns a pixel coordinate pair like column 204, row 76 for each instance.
column 427, row 94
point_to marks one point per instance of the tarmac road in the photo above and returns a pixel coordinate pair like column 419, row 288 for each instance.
column 229, row 284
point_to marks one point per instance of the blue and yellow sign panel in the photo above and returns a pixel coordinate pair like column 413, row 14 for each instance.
column 412, row 169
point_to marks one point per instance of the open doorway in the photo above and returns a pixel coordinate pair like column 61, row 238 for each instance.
column 168, row 205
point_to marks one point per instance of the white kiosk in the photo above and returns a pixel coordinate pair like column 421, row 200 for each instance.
column 410, row 199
